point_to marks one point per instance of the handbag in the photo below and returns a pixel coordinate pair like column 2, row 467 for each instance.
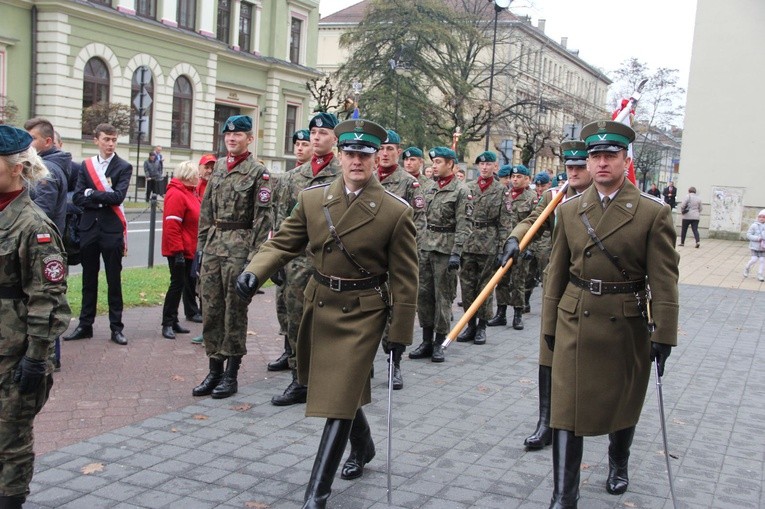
column 686, row 208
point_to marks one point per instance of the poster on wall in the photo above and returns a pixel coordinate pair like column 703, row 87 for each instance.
column 727, row 210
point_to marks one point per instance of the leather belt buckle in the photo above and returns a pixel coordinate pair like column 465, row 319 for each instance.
column 596, row 286
column 335, row 284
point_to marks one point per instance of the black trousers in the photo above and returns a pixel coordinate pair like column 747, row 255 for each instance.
column 694, row 224
column 181, row 288
column 108, row 246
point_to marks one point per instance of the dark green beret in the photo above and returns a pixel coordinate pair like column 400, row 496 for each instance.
column 607, row 136
column 505, row 171
column 561, row 177
column 303, row 135
column 520, row 169
column 359, row 135
column 393, row 138
column 574, row 152
column 412, row 152
column 237, row 124
column 444, row 152
column 13, row 140
column 486, row 157
column 323, row 119
column 542, row 178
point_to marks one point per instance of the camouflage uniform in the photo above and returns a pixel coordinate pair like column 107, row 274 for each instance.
column 279, row 300
column 33, row 311
column 512, row 294
column 540, row 248
column 234, row 222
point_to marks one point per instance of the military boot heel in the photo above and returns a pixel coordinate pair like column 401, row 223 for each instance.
column 362, row 448
column 229, row 385
column 500, row 318
column 282, row 362
column 542, row 436
column 212, row 379
column 425, row 350
column 618, row 458
column 294, row 393
column 518, row 318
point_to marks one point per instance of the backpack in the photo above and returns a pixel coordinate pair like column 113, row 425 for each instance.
column 71, row 238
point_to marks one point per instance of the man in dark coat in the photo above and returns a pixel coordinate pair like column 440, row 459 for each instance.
column 50, row 193
column 364, row 254
column 670, row 195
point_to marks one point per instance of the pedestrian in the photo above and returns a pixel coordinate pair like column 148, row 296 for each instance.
column 101, row 188
column 180, row 226
column 756, row 236
column 460, row 174
column 608, row 243
column 670, row 195
column 654, row 191
column 364, row 257
column 234, row 220
column 33, row 310
column 429, row 172
column 448, row 228
column 152, row 169
column 160, row 158
column 690, row 209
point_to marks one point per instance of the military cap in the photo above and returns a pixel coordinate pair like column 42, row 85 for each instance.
column 302, row 135
column 237, row 124
column 505, row 171
column 412, row 152
column 392, row 139
column 574, row 153
column 323, row 119
column 444, row 152
column 607, row 136
column 542, row 178
column 486, row 157
column 13, row 140
column 520, row 169
column 561, row 177
column 359, row 135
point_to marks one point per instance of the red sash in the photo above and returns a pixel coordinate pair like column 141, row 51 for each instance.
column 101, row 186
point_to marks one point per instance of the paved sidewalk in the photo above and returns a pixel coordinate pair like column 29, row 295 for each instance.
column 459, row 426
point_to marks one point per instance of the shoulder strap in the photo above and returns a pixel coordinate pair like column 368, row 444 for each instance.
column 596, row 240
column 339, row 241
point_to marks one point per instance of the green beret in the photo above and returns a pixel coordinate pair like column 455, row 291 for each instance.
column 607, row 136
column 561, row 177
column 303, row 135
column 574, row 153
column 323, row 119
column 505, row 171
column 486, row 157
column 359, row 135
column 542, row 178
column 237, row 124
column 520, row 170
column 393, row 138
column 444, row 152
column 412, row 152
column 13, row 140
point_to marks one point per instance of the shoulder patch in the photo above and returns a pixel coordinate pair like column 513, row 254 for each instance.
column 652, row 197
column 398, row 198
column 54, row 269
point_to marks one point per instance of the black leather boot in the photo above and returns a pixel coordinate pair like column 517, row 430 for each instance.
column 14, row 502
column 425, row 349
column 468, row 334
column 398, row 379
column 618, row 457
column 526, row 298
column 480, row 333
column 543, row 434
column 362, row 448
column 438, row 350
column 212, row 379
column 228, row 385
column 518, row 318
column 294, row 393
column 500, row 318
column 331, row 447
column 282, row 362
column 567, row 460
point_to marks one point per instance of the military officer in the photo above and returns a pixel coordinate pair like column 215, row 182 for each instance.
column 364, row 254
column 440, row 250
column 234, row 221
column 575, row 160
column 33, row 310
column 608, row 243
column 490, row 220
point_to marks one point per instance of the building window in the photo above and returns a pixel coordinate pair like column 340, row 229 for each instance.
column 183, row 97
column 187, row 14
column 245, row 26
column 222, row 113
column 290, row 126
column 144, row 126
column 224, row 21
column 95, row 84
column 296, row 29
column 146, row 8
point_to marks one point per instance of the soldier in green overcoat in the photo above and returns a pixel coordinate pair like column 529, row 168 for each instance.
column 364, row 254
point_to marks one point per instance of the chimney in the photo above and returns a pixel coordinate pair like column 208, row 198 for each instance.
column 564, row 42
column 541, row 25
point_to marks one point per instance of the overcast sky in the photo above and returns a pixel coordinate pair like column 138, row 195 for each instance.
column 658, row 33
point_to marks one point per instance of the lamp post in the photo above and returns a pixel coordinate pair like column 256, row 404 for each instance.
column 499, row 6
column 397, row 67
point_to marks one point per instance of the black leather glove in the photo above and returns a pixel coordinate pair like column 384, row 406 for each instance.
column 29, row 374
column 510, row 250
column 550, row 340
column 454, row 261
column 527, row 255
column 246, row 285
column 660, row 352
column 279, row 277
column 179, row 260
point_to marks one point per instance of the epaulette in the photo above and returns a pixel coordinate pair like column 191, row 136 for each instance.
column 398, row 198
column 652, row 197
column 325, row 184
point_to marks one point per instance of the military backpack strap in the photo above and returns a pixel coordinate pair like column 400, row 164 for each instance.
column 339, row 241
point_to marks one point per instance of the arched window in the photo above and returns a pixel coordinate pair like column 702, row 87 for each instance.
column 144, row 126
column 95, row 84
column 183, row 97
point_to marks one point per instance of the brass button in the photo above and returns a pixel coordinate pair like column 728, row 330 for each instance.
column 320, row 303
column 586, row 313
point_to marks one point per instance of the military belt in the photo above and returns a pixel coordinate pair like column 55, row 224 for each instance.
column 442, row 229
column 11, row 292
column 232, row 225
column 598, row 287
column 485, row 224
column 337, row 284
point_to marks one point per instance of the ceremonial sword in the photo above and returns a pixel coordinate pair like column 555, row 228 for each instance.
column 390, row 424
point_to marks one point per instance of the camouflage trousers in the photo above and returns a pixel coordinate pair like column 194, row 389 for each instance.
column 17, row 413
column 225, row 315
column 281, row 309
column 477, row 270
column 299, row 271
column 510, row 291
column 438, row 287
column 537, row 266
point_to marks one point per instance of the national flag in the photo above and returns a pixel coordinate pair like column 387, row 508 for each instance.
column 627, row 120
column 44, row 238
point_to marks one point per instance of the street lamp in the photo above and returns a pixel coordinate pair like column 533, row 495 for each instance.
column 397, row 67
column 499, row 6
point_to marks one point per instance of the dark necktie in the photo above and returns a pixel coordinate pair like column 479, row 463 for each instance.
column 605, row 201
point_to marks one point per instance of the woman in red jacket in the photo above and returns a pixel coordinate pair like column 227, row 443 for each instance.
column 180, row 222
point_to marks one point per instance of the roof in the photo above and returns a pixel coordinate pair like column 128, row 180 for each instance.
column 353, row 14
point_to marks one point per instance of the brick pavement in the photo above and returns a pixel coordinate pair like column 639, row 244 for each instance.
column 459, row 429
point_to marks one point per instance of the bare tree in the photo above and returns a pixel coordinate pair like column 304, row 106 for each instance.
column 118, row 115
column 8, row 110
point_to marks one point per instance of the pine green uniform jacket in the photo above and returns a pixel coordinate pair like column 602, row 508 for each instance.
column 340, row 331
column 601, row 363
column 447, row 207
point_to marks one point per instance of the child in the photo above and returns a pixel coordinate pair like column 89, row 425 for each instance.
column 756, row 236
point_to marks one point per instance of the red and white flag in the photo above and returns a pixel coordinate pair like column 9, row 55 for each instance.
column 627, row 120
